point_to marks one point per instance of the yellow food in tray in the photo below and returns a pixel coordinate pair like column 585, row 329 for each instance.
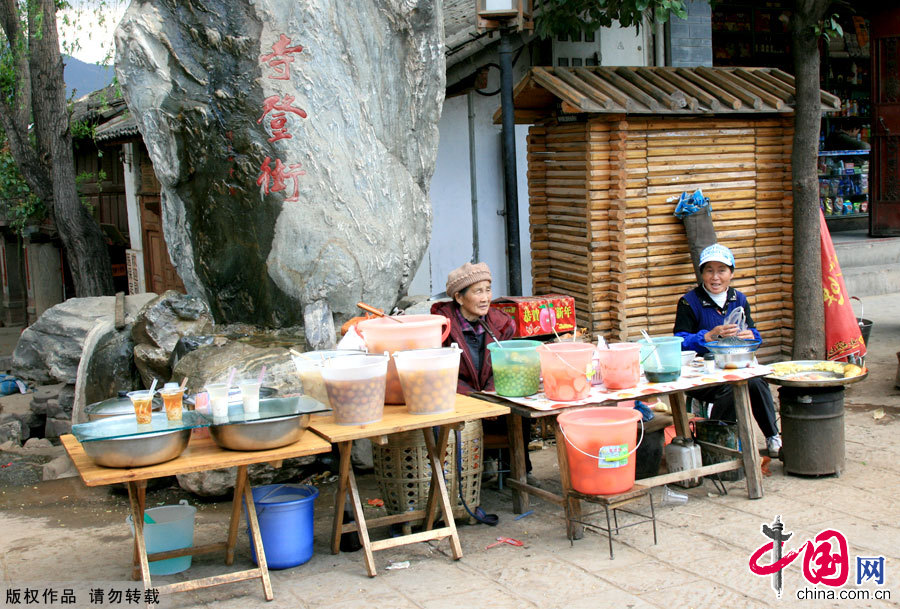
column 803, row 371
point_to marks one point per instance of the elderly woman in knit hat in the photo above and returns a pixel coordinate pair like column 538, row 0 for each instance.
column 474, row 324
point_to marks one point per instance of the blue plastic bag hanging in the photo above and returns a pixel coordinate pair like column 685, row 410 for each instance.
column 689, row 205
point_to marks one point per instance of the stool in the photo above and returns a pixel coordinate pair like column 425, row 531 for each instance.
column 616, row 503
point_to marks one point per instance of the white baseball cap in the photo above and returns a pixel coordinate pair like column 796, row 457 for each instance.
column 717, row 253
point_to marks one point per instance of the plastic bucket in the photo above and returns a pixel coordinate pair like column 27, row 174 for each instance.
column 565, row 368
column 620, row 365
column 600, row 443
column 661, row 358
column 309, row 367
column 428, row 377
column 285, row 514
column 412, row 332
column 517, row 367
column 355, row 386
column 172, row 529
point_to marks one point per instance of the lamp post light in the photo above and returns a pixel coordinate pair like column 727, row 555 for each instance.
column 508, row 16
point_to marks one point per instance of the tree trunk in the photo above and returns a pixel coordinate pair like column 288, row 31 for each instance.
column 82, row 238
column 809, row 307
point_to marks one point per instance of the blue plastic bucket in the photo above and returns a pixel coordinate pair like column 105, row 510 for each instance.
column 172, row 529
column 285, row 514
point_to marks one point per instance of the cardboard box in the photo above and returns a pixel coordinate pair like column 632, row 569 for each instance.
column 526, row 311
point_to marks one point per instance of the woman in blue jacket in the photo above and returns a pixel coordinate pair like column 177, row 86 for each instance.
column 700, row 318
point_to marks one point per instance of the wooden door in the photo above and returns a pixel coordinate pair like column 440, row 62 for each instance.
column 884, row 171
column 159, row 273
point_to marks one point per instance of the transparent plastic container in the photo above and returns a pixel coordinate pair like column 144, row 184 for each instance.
column 355, row 386
column 309, row 367
column 564, row 367
column 429, row 378
column 517, row 367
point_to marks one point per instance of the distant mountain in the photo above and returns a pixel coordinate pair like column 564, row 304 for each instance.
column 85, row 78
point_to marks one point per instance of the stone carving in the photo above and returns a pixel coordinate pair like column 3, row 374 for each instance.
column 294, row 143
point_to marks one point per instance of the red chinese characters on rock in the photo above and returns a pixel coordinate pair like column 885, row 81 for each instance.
column 276, row 109
column 280, row 59
column 277, row 175
column 279, row 106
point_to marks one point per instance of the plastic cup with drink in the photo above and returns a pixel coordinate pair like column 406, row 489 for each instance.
column 250, row 395
column 218, row 400
column 143, row 405
column 172, row 394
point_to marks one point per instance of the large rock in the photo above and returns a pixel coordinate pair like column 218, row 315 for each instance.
column 212, row 363
column 163, row 321
column 158, row 328
column 294, row 142
column 218, row 482
column 50, row 349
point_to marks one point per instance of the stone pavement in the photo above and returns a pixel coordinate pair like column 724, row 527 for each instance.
column 61, row 531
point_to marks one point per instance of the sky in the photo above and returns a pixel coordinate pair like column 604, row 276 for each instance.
column 91, row 26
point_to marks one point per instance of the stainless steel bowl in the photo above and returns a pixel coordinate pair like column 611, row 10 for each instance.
column 138, row 451
column 735, row 360
column 260, row 435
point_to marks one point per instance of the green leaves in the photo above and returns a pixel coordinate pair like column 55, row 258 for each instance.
column 569, row 16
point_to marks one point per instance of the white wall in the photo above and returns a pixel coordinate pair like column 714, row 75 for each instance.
column 451, row 236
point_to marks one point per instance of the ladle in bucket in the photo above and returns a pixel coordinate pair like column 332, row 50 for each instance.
column 377, row 312
column 488, row 330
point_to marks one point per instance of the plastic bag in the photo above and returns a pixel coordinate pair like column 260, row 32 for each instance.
column 689, row 205
column 738, row 318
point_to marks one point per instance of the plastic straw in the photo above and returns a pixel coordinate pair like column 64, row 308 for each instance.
column 184, row 382
column 231, row 376
column 262, row 373
column 153, row 384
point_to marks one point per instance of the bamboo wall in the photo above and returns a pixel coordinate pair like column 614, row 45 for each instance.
column 602, row 231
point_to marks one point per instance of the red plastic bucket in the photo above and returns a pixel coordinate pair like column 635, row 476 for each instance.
column 600, row 444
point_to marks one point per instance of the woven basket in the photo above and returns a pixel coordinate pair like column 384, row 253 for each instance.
column 404, row 473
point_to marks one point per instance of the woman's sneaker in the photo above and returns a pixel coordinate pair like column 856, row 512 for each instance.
column 773, row 444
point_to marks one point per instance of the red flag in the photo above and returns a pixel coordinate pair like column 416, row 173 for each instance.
column 842, row 335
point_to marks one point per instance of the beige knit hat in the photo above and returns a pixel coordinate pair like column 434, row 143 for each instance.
column 461, row 278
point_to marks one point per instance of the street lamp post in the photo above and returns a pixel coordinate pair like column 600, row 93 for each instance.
column 508, row 16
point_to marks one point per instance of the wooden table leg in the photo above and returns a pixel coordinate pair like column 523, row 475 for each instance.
column 748, row 446
column 255, row 535
column 571, row 504
column 679, row 415
column 517, row 461
column 437, row 481
column 361, row 528
column 443, row 439
column 235, row 514
column 340, row 496
column 140, row 489
column 136, row 499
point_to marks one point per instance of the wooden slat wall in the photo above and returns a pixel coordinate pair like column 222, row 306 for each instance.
column 603, row 232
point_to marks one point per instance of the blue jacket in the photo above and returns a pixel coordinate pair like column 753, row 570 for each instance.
column 697, row 314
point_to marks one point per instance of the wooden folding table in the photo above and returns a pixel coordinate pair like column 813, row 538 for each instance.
column 202, row 454
column 396, row 420
column 747, row 457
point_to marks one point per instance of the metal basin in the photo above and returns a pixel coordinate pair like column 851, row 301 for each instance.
column 737, row 354
column 260, row 435
column 138, row 451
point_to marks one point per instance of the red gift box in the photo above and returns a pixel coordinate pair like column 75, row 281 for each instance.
column 527, row 312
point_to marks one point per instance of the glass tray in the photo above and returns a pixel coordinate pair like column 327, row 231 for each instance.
column 126, row 425
column 269, row 408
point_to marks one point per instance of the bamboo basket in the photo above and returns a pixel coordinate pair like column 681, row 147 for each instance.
column 404, row 472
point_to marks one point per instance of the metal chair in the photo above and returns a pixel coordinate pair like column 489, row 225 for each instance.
column 615, row 503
